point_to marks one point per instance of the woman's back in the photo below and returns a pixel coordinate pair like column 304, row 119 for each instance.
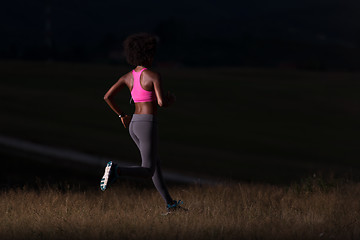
column 141, row 85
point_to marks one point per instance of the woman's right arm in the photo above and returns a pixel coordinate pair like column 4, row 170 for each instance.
column 162, row 99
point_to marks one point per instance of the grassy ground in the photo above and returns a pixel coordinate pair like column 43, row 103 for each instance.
column 313, row 209
column 249, row 124
column 45, row 201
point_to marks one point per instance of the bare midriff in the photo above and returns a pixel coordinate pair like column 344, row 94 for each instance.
column 145, row 108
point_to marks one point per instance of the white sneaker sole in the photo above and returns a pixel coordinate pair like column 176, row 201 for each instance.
column 105, row 178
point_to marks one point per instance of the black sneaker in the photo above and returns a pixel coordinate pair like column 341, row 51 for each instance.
column 175, row 206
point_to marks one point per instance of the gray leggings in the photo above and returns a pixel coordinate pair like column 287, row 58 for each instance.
column 144, row 131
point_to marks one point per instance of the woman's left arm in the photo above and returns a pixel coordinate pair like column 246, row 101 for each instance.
column 109, row 96
column 109, row 99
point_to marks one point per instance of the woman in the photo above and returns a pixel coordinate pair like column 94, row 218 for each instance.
column 146, row 91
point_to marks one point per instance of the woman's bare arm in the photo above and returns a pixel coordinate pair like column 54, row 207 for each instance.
column 163, row 100
column 109, row 96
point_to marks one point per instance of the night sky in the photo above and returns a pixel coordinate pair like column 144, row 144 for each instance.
column 215, row 30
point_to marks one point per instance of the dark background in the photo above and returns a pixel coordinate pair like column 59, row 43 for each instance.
column 320, row 34
column 275, row 81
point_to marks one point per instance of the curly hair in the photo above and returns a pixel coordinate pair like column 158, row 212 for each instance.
column 140, row 49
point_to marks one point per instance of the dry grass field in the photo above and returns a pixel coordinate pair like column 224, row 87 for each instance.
column 312, row 209
column 278, row 127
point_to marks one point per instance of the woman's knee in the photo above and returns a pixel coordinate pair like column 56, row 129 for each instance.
column 151, row 171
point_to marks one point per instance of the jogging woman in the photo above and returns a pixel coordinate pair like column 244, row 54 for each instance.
column 146, row 90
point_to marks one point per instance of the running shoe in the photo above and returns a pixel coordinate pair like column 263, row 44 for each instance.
column 175, row 206
column 110, row 175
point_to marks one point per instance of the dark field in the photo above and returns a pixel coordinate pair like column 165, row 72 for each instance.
column 266, row 125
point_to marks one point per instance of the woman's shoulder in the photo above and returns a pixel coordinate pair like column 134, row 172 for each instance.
column 150, row 74
column 126, row 78
column 127, row 75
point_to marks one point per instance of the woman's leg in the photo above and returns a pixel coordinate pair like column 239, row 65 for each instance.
column 145, row 135
column 159, row 183
column 141, row 133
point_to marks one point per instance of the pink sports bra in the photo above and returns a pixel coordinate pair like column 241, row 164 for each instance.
column 138, row 93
